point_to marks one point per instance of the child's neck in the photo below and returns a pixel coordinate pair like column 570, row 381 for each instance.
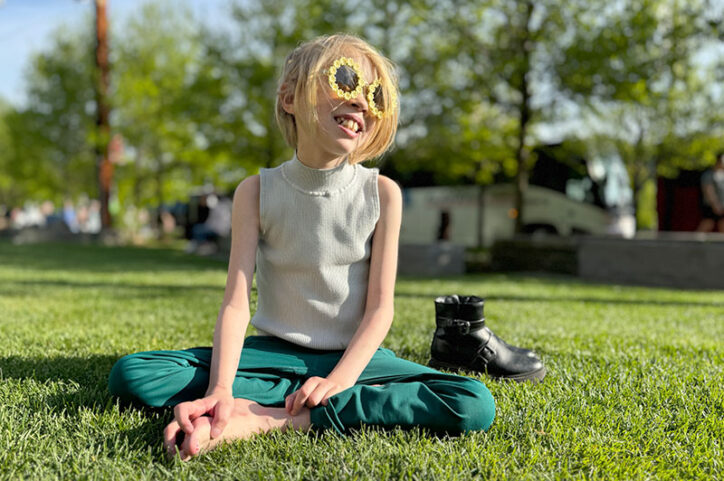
column 319, row 162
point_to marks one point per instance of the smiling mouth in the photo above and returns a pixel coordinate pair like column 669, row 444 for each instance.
column 349, row 124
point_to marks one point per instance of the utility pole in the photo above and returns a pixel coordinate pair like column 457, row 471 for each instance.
column 103, row 163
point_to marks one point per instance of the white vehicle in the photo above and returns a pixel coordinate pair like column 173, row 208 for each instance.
column 478, row 216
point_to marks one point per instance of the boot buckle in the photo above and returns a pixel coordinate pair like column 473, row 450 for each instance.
column 463, row 327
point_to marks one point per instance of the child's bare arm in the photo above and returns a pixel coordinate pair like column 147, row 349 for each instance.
column 233, row 318
column 379, row 309
column 234, row 314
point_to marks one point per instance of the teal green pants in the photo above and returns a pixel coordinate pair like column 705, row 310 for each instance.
column 270, row 369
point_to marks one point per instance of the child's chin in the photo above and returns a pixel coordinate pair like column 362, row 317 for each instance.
column 346, row 146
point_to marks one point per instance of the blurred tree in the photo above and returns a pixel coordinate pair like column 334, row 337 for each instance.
column 519, row 45
column 449, row 131
column 240, row 70
column 636, row 70
column 6, row 179
column 157, row 60
column 103, row 128
column 52, row 136
column 195, row 103
column 22, row 175
column 480, row 78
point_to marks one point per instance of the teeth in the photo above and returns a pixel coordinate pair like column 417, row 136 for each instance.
column 348, row 123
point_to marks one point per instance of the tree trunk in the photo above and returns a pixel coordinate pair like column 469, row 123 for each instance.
column 103, row 163
column 159, row 194
column 521, row 153
column 137, row 183
column 640, row 175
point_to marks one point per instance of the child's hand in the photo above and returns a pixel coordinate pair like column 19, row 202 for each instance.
column 218, row 405
column 315, row 391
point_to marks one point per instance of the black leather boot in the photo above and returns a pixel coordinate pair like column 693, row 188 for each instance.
column 462, row 341
column 471, row 309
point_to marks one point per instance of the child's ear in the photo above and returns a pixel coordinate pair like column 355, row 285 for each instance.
column 286, row 97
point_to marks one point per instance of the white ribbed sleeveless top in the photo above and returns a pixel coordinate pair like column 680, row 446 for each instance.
column 312, row 260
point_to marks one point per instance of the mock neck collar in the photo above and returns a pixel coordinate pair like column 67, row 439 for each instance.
column 318, row 182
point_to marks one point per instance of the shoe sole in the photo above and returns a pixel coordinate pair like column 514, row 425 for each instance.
column 534, row 377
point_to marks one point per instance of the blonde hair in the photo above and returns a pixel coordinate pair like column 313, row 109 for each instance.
column 304, row 69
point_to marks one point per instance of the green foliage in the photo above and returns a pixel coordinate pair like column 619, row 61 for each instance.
column 634, row 67
column 242, row 67
column 6, row 179
column 627, row 396
column 646, row 209
column 156, row 60
column 26, row 170
column 195, row 103
column 48, row 150
column 452, row 129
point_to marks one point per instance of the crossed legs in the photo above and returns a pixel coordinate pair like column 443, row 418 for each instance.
column 390, row 392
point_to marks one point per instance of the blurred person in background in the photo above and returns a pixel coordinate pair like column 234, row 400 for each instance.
column 33, row 216
column 168, row 222
column 69, row 216
column 712, row 188
column 204, row 236
column 47, row 208
column 82, row 216
column 93, row 221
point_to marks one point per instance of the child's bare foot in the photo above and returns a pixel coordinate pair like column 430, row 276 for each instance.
column 247, row 419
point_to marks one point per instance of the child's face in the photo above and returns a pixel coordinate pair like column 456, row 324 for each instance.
column 344, row 125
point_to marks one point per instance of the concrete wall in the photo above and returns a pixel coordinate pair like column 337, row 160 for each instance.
column 431, row 260
column 547, row 254
column 685, row 263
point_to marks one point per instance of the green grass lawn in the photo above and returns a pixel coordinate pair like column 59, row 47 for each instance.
column 634, row 386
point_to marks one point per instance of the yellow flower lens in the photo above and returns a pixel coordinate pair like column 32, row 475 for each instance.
column 345, row 79
column 375, row 99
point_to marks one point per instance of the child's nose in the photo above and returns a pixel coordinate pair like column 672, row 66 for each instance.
column 360, row 102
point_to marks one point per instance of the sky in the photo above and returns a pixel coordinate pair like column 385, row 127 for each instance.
column 26, row 26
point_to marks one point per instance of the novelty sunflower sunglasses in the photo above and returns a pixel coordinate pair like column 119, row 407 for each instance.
column 345, row 78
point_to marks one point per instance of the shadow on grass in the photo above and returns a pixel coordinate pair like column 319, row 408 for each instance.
column 88, row 370
column 91, row 375
column 25, row 287
column 595, row 300
column 521, row 277
column 98, row 258
column 137, row 434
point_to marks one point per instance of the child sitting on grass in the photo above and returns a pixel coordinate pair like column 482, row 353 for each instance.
column 322, row 232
